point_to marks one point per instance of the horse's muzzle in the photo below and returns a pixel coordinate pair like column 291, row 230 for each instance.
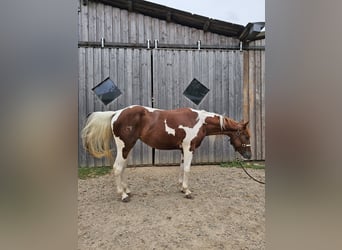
column 247, row 155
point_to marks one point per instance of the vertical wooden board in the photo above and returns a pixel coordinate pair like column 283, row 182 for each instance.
column 136, row 96
column 124, row 33
column 146, row 93
column 132, row 27
column 219, row 151
column 205, row 67
column 176, row 82
column 137, row 99
column 211, row 106
column 159, row 93
column 139, row 81
column 83, row 23
column 231, row 94
column 89, row 94
column 92, row 21
column 193, row 36
column 224, row 41
column 185, row 35
column 97, row 79
column 179, row 37
column 209, row 38
column 169, row 96
column 112, row 73
column 245, row 85
column 148, row 29
column 105, row 74
column 155, row 30
column 82, row 160
column 251, row 96
column 263, row 101
column 239, row 90
column 171, row 28
column 120, row 77
column 231, row 87
column 163, row 38
column 99, row 21
column 79, row 24
column 116, row 26
column 128, row 76
column 170, row 79
column 108, row 23
column 225, row 100
column 258, row 103
column 140, row 29
column 217, row 101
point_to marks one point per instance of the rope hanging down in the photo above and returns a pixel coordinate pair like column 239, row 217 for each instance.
column 240, row 163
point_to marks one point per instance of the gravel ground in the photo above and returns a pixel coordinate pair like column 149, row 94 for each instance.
column 227, row 210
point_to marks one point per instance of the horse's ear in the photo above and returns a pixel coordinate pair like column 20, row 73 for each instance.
column 245, row 124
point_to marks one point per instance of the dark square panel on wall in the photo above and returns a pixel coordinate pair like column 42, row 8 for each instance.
column 107, row 91
column 196, row 91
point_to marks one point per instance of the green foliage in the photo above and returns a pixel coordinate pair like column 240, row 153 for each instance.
column 91, row 172
column 235, row 163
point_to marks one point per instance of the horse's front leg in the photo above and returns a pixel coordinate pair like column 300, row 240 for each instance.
column 187, row 163
column 181, row 172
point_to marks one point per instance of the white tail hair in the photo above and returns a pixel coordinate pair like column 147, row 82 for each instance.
column 97, row 134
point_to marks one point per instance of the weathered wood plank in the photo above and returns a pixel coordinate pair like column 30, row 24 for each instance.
column 89, row 85
column 132, row 27
column 92, row 21
column 108, row 22
column 124, row 33
column 99, row 21
column 82, row 102
column 116, row 26
column 251, row 96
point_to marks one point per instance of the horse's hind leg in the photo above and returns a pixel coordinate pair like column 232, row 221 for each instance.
column 119, row 168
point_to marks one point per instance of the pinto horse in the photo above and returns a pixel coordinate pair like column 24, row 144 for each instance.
column 182, row 129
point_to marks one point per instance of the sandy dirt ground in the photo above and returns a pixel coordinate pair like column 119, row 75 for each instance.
column 227, row 210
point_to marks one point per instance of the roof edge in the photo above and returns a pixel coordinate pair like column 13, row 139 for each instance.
column 176, row 16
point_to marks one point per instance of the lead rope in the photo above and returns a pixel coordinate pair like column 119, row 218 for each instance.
column 240, row 163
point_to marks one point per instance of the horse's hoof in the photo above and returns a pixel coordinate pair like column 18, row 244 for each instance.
column 188, row 196
column 125, row 199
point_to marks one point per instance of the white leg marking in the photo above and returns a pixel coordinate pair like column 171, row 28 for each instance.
column 119, row 167
column 181, row 172
column 187, row 163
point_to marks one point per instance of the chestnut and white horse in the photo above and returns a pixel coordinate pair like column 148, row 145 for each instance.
column 182, row 129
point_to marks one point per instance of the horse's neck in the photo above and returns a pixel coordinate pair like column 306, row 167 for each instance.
column 220, row 125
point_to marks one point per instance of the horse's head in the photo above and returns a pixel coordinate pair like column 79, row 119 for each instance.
column 240, row 140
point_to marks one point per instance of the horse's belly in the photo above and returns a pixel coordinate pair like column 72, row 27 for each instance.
column 164, row 143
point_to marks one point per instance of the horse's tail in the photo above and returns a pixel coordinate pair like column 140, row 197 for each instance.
column 97, row 134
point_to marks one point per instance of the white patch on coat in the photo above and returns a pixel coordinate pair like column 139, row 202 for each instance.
column 169, row 130
column 151, row 109
column 115, row 117
column 191, row 133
